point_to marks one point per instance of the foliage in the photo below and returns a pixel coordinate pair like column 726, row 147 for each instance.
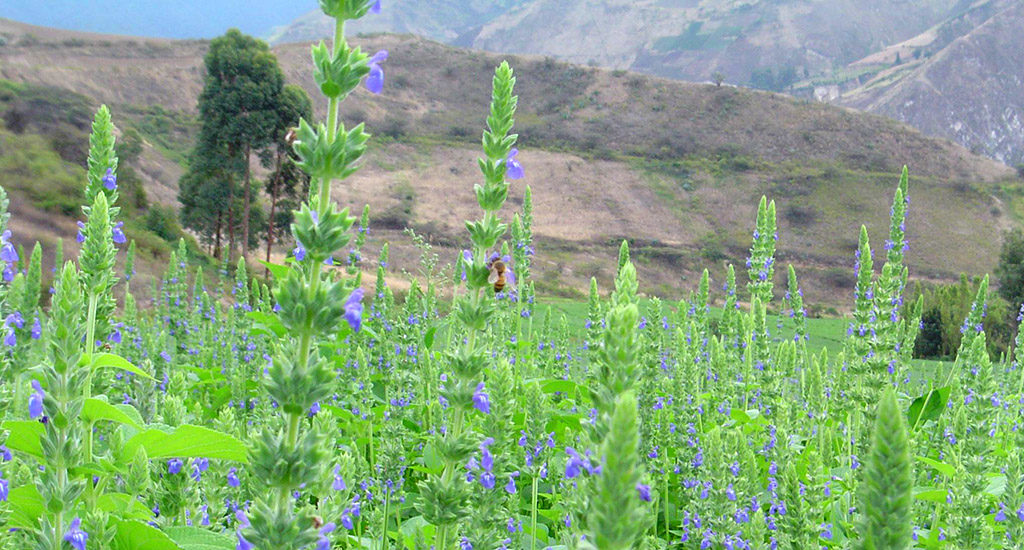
column 1010, row 269
column 942, row 322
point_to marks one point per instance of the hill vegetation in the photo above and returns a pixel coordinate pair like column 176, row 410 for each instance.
column 674, row 167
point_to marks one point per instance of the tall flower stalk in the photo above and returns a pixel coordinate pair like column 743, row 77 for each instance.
column 463, row 392
column 312, row 304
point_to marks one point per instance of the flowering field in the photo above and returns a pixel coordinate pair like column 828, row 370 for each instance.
column 306, row 412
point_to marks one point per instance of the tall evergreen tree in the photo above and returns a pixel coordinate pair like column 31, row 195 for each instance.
column 240, row 110
column 286, row 180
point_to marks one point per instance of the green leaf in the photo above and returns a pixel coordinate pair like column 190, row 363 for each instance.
column 187, row 441
column 98, row 409
column 24, row 436
column 194, row 538
column 279, row 271
column 136, row 535
column 428, row 338
column 111, row 360
column 941, row 467
column 26, row 507
column 266, row 323
column 930, row 494
column 124, row 506
column 927, row 407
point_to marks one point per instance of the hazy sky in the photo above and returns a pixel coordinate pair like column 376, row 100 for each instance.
column 158, row 18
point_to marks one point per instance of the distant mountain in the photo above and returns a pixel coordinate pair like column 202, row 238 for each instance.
column 149, row 18
column 768, row 44
column 963, row 80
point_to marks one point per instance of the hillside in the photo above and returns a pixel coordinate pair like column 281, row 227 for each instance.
column 764, row 43
column 675, row 167
column 963, row 80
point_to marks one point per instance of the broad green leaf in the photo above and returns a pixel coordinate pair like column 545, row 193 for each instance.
column 279, row 271
column 941, row 467
column 996, row 485
column 930, row 494
column 187, row 441
column 557, row 385
column 24, row 436
column 111, row 360
column 428, row 338
column 266, row 323
column 26, row 507
column 124, row 506
column 194, row 538
column 98, row 409
column 136, row 535
column 927, row 407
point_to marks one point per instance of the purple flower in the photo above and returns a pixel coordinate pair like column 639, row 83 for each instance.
column 510, row 487
column 115, row 335
column 233, row 478
column 346, row 521
column 324, row 543
column 375, row 8
column 35, row 401
column 4, row 488
column 481, row 401
column 11, row 339
column 174, row 466
column 375, row 82
column 354, row 309
column 80, row 237
column 75, row 535
column 198, row 467
column 8, row 253
column 118, row 233
column 339, row 483
column 574, row 465
column 300, row 252
column 514, row 170
column 644, row 491
column 243, row 522
column 110, row 180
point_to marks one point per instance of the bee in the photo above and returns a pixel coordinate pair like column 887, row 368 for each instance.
column 291, row 136
column 499, row 273
column 318, row 522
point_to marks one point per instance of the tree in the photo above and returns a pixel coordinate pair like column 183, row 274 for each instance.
column 239, row 110
column 718, row 77
column 286, row 180
column 1010, row 270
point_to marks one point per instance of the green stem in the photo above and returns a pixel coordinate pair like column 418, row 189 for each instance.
column 533, row 512
column 90, row 344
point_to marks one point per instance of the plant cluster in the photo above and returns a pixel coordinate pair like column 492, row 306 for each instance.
column 234, row 414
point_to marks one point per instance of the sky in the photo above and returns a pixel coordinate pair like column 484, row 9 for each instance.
column 158, row 18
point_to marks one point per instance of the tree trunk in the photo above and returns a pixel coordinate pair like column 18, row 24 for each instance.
column 231, row 222
column 246, row 206
column 273, row 208
column 216, row 250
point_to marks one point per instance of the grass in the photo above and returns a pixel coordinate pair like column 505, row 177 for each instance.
column 825, row 333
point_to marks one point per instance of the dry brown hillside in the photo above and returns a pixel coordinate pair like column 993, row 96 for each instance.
column 677, row 168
